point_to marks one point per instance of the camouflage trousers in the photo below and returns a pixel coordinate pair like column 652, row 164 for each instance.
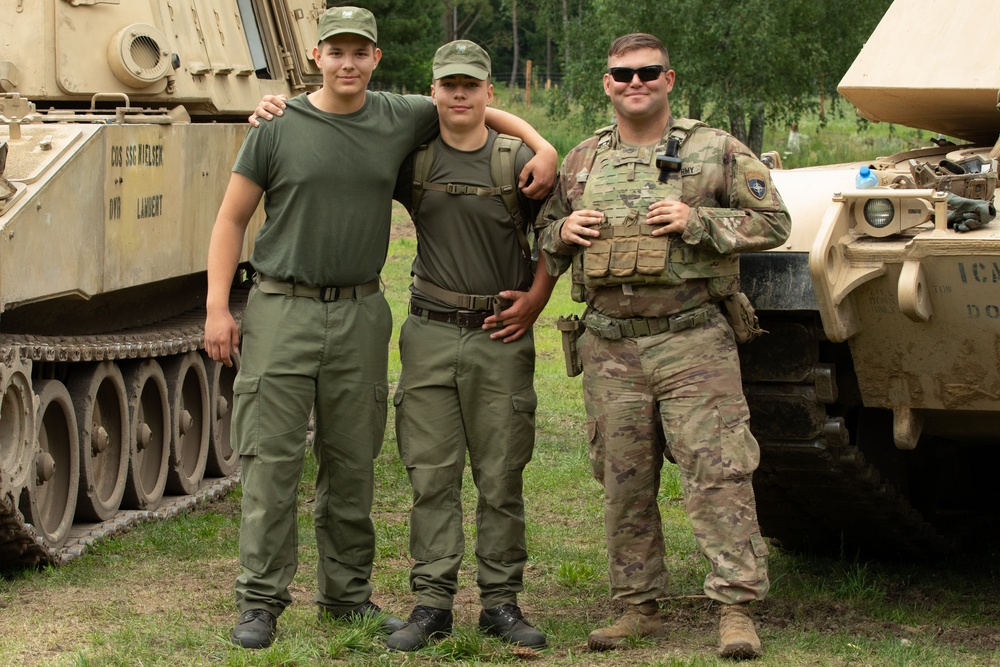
column 677, row 393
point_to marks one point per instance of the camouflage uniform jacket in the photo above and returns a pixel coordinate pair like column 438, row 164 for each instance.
column 734, row 208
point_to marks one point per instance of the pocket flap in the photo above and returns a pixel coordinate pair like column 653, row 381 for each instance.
column 246, row 383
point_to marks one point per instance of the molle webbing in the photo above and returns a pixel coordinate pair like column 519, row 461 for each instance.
column 623, row 182
column 613, row 328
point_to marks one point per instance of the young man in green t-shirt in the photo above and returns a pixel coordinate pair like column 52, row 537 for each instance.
column 316, row 326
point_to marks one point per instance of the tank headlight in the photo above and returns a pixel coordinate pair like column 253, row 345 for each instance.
column 889, row 213
column 879, row 212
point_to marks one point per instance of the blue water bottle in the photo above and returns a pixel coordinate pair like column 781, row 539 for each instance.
column 865, row 178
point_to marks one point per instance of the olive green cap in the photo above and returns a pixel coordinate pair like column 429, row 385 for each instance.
column 355, row 20
column 461, row 57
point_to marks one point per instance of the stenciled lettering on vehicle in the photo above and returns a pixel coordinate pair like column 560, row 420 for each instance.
column 136, row 156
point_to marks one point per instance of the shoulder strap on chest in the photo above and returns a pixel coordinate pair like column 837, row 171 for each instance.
column 422, row 160
column 503, row 174
column 680, row 130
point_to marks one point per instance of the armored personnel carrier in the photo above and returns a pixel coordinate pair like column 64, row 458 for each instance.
column 119, row 124
column 876, row 394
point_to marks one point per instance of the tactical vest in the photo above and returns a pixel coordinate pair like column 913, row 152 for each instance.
column 622, row 183
column 503, row 173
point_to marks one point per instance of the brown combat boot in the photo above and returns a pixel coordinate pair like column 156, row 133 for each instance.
column 737, row 637
column 639, row 620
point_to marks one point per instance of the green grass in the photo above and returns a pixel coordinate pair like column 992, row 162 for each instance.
column 162, row 595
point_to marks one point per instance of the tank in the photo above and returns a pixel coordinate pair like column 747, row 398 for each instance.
column 119, row 124
column 876, row 393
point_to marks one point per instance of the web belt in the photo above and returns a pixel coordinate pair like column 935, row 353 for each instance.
column 460, row 300
column 274, row 286
column 613, row 328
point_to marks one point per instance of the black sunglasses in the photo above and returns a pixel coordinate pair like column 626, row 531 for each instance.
column 625, row 74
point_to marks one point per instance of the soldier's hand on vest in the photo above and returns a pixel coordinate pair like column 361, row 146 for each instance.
column 269, row 107
column 671, row 215
column 539, row 175
column 579, row 227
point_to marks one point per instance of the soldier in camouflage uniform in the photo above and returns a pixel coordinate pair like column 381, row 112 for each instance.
column 653, row 252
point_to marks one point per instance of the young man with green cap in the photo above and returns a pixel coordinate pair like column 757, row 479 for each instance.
column 468, row 358
column 316, row 327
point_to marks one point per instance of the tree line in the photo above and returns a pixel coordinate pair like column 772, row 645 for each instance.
column 739, row 64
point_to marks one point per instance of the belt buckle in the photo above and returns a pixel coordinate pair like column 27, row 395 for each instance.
column 470, row 319
column 687, row 320
column 330, row 294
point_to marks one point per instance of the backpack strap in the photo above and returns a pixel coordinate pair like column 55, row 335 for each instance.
column 422, row 159
column 503, row 174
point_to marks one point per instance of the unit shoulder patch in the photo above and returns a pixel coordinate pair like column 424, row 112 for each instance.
column 757, row 184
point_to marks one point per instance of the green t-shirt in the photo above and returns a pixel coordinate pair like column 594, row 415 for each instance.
column 328, row 182
column 467, row 243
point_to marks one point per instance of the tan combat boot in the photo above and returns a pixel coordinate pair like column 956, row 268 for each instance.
column 639, row 620
column 737, row 637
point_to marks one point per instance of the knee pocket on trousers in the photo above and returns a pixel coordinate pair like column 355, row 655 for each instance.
column 595, row 450
column 246, row 413
column 379, row 417
column 735, row 454
column 522, row 428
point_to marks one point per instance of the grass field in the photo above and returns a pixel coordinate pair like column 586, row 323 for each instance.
column 162, row 594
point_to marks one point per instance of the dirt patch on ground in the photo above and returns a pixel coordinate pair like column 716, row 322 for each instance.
column 402, row 226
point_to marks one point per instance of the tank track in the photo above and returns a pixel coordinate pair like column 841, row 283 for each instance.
column 20, row 544
column 825, row 497
column 816, row 490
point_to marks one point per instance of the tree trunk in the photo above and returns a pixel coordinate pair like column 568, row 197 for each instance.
column 565, row 19
column 695, row 107
column 548, row 58
column 756, row 136
column 737, row 123
column 514, row 45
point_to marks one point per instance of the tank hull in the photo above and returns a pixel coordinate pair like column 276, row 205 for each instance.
column 119, row 126
column 876, row 394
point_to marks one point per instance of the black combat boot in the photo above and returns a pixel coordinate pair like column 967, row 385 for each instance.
column 255, row 629
column 508, row 623
column 424, row 624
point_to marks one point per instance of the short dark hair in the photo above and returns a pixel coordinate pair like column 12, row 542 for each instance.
column 639, row 40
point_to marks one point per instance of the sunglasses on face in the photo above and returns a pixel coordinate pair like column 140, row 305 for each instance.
column 625, row 74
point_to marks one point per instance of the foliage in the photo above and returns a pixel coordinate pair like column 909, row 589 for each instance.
column 740, row 65
column 737, row 64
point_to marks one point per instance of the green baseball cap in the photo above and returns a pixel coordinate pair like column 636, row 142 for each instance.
column 461, row 57
column 356, row 20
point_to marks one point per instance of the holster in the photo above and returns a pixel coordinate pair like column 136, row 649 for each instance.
column 571, row 328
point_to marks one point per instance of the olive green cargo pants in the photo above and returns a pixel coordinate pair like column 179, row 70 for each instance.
column 461, row 391
column 298, row 353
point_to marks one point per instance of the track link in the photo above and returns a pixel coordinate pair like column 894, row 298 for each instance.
column 816, row 491
column 20, row 544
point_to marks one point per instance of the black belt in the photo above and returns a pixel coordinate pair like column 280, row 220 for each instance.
column 272, row 286
column 467, row 319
